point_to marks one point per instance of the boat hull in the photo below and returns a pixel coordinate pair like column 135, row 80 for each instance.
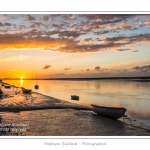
column 26, row 90
column 7, row 86
column 112, row 112
column 74, row 97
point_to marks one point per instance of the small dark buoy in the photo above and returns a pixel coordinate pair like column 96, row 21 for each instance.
column 36, row 86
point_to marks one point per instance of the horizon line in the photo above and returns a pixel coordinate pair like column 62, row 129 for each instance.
column 129, row 77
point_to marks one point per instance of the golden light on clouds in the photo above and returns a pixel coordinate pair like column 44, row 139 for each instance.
column 80, row 42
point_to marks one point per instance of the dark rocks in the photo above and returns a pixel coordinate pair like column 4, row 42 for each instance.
column 1, row 92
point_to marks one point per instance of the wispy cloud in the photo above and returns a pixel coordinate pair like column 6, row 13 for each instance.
column 142, row 68
column 67, row 68
column 5, row 24
column 47, row 66
column 97, row 68
column 31, row 18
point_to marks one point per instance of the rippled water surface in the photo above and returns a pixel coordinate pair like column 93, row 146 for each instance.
column 133, row 95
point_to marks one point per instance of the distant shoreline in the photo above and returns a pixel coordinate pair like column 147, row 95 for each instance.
column 102, row 78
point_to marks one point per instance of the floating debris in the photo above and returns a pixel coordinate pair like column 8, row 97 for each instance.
column 74, row 97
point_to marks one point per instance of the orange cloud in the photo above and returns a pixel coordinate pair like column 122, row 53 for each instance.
column 62, row 44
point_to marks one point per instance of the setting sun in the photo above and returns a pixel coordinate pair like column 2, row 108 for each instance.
column 21, row 78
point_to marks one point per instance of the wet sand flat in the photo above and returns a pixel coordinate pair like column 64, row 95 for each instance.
column 70, row 122
column 39, row 115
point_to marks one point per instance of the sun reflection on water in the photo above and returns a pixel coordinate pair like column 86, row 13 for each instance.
column 21, row 83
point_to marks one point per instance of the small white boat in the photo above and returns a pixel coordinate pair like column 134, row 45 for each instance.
column 74, row 97
column 112, row 112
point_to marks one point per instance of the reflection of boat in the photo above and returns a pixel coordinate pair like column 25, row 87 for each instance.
column 112, row 112
column 36, row 86
column 74, row 97
column 7, row 86
column 26, row 90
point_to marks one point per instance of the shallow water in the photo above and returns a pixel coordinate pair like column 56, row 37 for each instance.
column 132, row 95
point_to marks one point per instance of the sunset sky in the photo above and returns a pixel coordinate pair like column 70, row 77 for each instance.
column 74, row 45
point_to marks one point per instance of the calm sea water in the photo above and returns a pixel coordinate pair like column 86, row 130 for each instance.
column 133, row 95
